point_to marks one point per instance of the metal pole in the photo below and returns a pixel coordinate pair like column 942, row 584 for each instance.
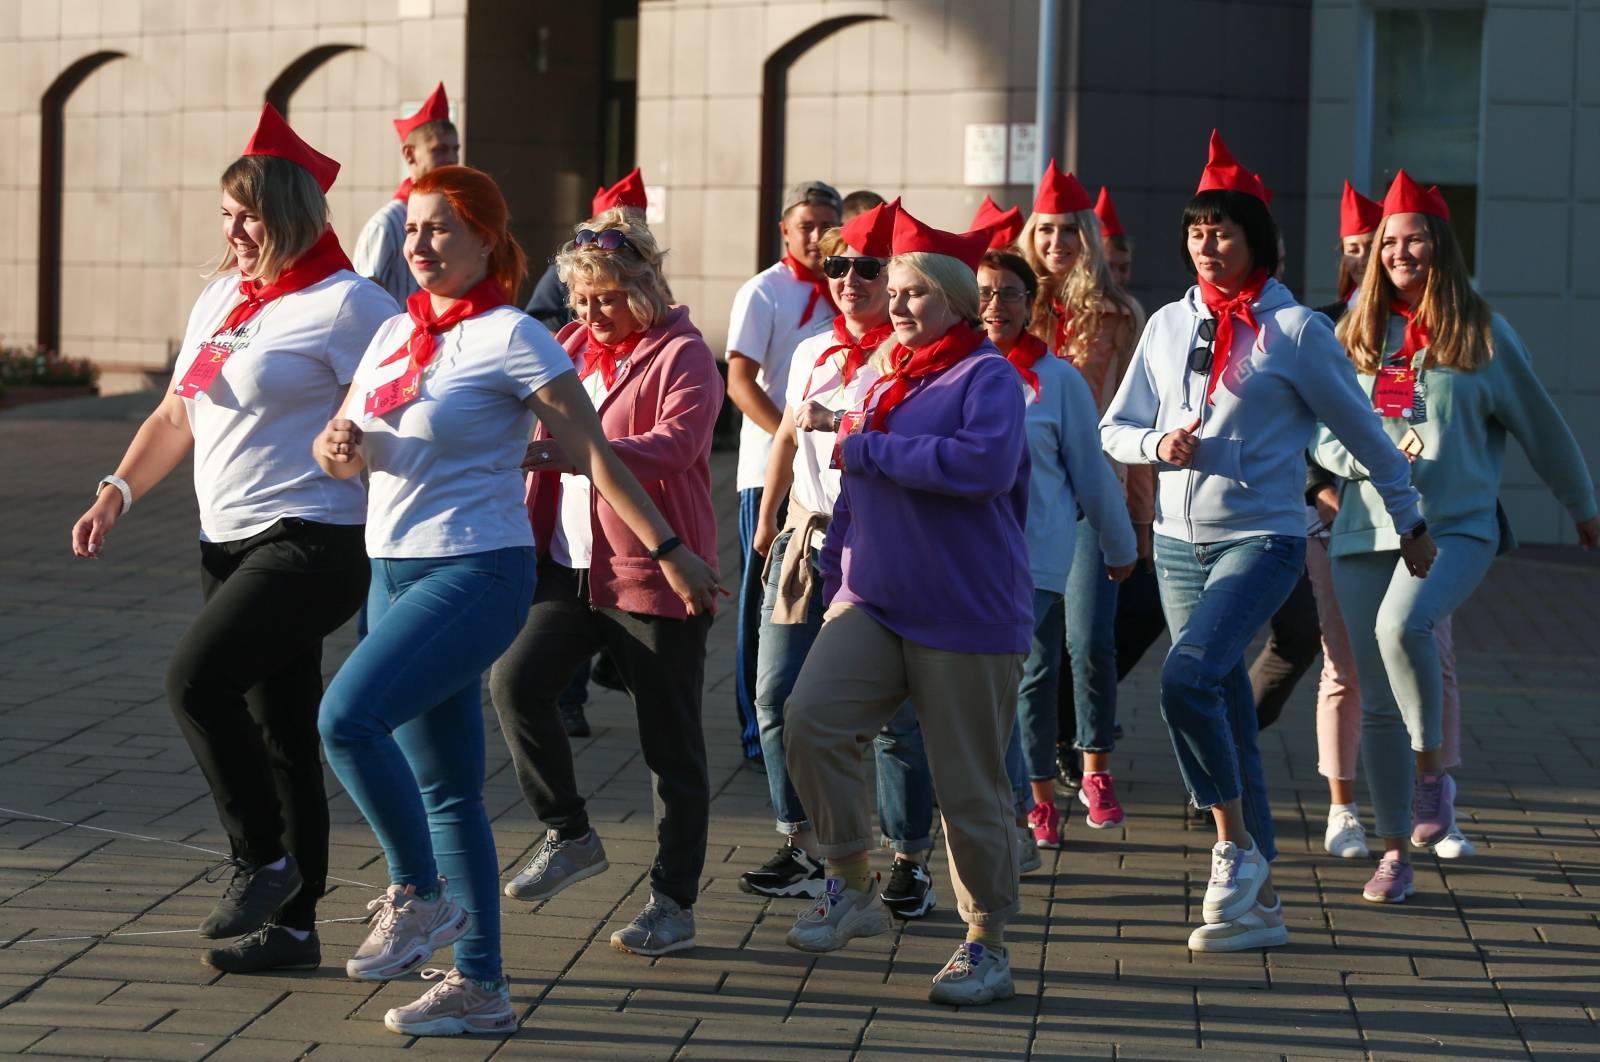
column 1044, row 112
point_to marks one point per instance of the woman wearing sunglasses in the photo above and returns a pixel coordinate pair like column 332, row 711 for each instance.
column 1224, row 393
column 655, row 384
column 1450, row 380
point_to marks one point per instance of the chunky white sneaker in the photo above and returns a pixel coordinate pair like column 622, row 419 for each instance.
column 454, row 1006
column 1236, row 877
column 837, row 916
column 405, row 932
column 1345, row 836
column 975, row 974
column 1259, row 927
column 1454, row 845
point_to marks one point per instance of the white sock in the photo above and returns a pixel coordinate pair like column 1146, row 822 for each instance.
column 1334, row 809
column 298, row 934
column 282, row 862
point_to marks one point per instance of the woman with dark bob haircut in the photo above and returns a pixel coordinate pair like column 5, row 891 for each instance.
column 1222, row 397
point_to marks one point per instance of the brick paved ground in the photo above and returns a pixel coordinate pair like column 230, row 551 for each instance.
column 106, row 832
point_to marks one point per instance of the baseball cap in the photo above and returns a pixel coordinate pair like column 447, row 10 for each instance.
column 816, row 192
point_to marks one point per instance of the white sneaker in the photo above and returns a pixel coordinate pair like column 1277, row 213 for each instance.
column 1345, row 837
column 975, row 974
column 1259, row 927
column 837, row 916
column 1028, row 857
column 1454, row 845
column 1236, row 877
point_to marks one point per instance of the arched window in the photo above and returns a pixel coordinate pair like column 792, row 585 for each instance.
column 294, row 75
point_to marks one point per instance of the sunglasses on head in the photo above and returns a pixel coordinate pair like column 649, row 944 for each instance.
column 835, row 266
column 1200, row 356
column 605, row 239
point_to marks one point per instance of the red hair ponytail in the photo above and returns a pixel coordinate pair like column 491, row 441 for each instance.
column 478, row 202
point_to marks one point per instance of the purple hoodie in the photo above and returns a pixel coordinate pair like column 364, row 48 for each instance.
column 927, row 533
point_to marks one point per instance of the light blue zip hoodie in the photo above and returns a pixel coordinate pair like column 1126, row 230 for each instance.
column 1248, row 473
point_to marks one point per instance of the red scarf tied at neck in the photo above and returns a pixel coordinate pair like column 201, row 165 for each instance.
column 907, row 365
column 427, row 327
column 606, row 357
column 403, row 192
column 1416, row 335
column 819, row 286
column 324, row 259
column 1225, row 310
column 856, row 351
column 1026, row 353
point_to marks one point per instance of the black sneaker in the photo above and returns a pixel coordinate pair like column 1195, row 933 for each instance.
column 252, row 897
column 572, row 717
column 791, row 872
column 909, row 893
column 1069, row 768
column 268, row 948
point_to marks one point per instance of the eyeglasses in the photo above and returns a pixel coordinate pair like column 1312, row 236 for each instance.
column 835, row 266
column 1200, row 356
column 1006, row 295
column 605, row 239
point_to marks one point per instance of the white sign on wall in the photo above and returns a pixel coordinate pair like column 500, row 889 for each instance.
column 1001, row 153
column 1025, row 165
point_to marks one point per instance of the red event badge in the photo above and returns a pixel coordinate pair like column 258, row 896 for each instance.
column 1394, row 393
column 849, row 424
column 385, row 398
column 203, row 372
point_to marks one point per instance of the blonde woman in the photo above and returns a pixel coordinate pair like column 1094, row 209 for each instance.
column 1450, row 379
column 935, row 480
column 655, row 384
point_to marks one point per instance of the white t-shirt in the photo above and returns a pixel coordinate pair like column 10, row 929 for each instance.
column 816, row 486
column 574, row 538
column 765, row 327
column 446, row 467
column 381, row 251
column 283, row 382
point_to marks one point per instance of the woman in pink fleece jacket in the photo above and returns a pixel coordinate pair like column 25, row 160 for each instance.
column 655, row 384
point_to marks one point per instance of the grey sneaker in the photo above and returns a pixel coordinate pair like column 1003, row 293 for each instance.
column 837, row 916
column 660, row 928
column 405, row 932
column 975, row 974
column 455, row 1005
column 557, row 864
column 1028, row 857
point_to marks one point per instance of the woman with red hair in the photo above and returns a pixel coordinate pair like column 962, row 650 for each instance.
column 440, row 411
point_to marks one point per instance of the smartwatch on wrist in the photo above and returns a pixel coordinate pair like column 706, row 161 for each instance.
column 665, row 548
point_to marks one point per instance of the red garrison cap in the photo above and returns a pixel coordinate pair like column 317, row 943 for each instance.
column 1357, row 213
column 436, row 108
column 274, row 137
column 1106, row 211
column 912, row 235
column 1223, row 173
column 1059, row 193
column 628, row 192
column 872, row 231
column 1408, row 197
column 1003, row 225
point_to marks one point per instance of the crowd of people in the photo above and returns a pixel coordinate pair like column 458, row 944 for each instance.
column 976, row 483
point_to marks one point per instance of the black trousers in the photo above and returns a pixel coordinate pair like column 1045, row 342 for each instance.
column 662, row 661
column 1294, row 639
column 245, row 681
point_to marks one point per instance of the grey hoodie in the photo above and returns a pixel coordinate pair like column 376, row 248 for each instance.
column 1248, row 473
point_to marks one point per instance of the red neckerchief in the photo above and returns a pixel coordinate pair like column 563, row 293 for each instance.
column 1416, row 335
column 1063, row 318
column 856, row 351
column 1023, row 355
column 324, row 259
column 819, row 286
column 404, row 191
column 1225, row 310
column 427, row 327
column 907, row 365
column 598, row 355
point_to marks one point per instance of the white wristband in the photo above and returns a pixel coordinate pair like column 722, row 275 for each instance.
column 121, row 485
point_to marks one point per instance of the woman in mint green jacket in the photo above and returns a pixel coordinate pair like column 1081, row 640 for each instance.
column 1450, row 380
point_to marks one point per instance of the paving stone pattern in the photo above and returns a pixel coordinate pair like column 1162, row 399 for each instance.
column 107, row 832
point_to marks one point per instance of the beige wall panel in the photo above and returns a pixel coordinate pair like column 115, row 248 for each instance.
column 1532, row 59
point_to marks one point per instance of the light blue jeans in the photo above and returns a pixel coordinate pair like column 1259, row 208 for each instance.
column 1217, row 596
column 402, row 723
column 1390, row 615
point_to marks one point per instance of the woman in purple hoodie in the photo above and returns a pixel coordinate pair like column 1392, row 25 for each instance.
column 932, row 598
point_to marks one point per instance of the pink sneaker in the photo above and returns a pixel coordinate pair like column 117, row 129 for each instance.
column 1433, row 808
column 1045, row 822
column 1392, row 882
column 1099, row 795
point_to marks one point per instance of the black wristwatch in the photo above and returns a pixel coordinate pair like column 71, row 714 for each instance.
column 838, row 418
column 1420, row 529
column 665, row 548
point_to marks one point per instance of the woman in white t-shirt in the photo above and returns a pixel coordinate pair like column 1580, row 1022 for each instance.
column 440, row 412
column 270, row 346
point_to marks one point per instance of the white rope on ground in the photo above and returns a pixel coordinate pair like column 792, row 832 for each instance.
column 152, row 933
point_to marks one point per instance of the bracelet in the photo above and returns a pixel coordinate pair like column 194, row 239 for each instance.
column 665, row 548
column 122, row 486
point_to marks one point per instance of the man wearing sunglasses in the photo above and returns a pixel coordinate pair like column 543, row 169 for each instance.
column 774, row 310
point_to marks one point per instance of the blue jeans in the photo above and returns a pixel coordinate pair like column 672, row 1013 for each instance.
column 1091, row 611
column 402, row 723
column 905, row 784
column 1216, row 597
column 748, row 636
column 1036, row 694
column 782, row 649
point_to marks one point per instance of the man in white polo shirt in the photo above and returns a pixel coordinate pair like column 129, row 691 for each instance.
column 774, row 310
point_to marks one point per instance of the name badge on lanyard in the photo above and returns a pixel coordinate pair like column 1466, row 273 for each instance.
column 388, row 397
column 849, row 424
column 1394, row 392
column 204, row 370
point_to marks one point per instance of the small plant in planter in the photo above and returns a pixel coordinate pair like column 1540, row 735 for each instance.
column 33, row 374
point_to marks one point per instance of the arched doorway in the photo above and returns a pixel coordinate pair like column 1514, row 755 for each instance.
column 294, row 75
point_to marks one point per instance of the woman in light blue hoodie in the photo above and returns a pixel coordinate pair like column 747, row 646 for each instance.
column 1224, row 392
column 1450, row 379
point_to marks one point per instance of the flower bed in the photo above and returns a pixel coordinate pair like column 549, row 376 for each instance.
column 28, row 374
